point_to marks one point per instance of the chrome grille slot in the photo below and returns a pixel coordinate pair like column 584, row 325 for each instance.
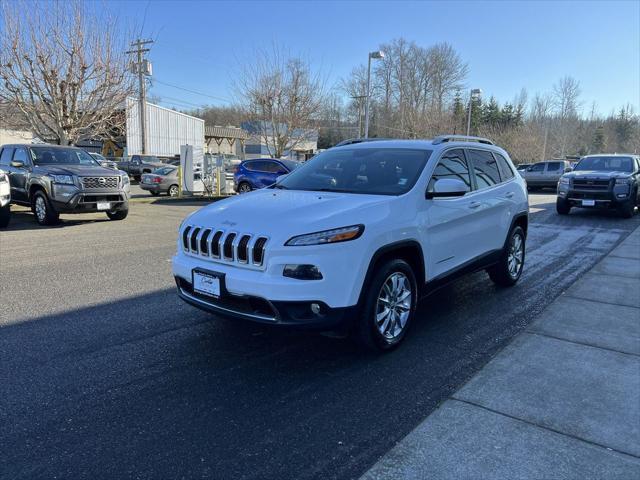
column 597, row 185
column 194, row 239
column 227, row 251
column 204, row 245
column 215, row 244
column 258, row 251
column 185, row 237
column 243, row 250
column 90, row 183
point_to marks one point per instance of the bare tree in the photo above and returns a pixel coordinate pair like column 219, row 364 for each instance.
column 65, row 71
column 447, row 71
column 283, row 97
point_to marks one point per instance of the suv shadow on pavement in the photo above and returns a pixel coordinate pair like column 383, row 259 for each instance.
column 23, row 219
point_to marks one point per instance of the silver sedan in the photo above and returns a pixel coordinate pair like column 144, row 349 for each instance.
column 161, row 180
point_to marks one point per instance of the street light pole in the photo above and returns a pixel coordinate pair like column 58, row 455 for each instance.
column 474, row 92
column 376, row 55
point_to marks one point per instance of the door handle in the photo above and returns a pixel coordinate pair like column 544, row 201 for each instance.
column 509, row 195
column 474, row 204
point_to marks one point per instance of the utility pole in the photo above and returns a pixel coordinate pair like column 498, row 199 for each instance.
column 359, row 100
column 142, row 69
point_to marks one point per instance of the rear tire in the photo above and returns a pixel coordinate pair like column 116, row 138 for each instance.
column 388, row 307
column 173, row 191
column 43, row 210
column 509, row 269
column 118, row 214
column 562, row 207
column 5, row 215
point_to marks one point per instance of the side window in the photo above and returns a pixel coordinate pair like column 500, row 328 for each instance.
column 538, row 167
column 503, row 165
column 452, row 166
column 5, row 157
column 251, row 166
column 273, row 167
column 554, row 166
column 485, row 168
column 20, row 156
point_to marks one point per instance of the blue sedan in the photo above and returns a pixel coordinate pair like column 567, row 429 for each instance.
column 260, row 173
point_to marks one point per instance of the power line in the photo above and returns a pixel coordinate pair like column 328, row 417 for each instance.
column 193, row 91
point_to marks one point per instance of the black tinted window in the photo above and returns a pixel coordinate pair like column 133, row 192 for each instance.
column 5, row 157
column 554, row 166
column 503, row 165
column 538, row 167
column 255, row 166
column 484, row 167
column 273, row 167
column 452, row 166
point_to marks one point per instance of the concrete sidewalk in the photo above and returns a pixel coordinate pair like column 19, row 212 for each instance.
column 561, row 401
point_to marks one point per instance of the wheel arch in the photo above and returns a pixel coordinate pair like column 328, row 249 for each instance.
column 408, row 250
column 35, row 187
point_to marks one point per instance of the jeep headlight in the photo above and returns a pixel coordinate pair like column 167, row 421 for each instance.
column 623, row 181
column 335, row 235
column 64, row 179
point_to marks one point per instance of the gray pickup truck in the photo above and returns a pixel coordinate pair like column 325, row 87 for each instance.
column 136, row 165
column 52, row 180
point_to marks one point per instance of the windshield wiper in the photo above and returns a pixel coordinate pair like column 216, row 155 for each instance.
column 280, row 187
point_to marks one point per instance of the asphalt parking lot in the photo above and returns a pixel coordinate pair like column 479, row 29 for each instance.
column 106, row 374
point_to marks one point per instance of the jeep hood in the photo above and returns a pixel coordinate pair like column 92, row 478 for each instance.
column 79, row 170
column 291, row 212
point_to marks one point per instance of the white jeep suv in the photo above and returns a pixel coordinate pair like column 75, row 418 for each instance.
column 355, row 236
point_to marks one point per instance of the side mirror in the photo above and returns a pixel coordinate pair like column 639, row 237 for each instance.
column 448, row 187
column 17, row 163
column 568, row 169
column 529, row 169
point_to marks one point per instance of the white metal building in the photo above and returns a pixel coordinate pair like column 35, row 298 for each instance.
column 166, row 130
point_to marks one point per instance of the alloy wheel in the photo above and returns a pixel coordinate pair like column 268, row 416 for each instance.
column 516, row 255
column 244, row 188
column 173, row 191
column 41, row 209
column 394, row 305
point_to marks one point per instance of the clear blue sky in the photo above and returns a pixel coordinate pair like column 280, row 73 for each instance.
column 508, row 45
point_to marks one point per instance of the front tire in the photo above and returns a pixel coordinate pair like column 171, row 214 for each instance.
column 244, row 187
column 509, row 268
column 118, row 214
column 388, row 307
column 5, row 215
column 627, row 209
column 562, row 207
column 43, row 210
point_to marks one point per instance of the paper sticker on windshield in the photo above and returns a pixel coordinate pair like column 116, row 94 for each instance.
column 402, row 181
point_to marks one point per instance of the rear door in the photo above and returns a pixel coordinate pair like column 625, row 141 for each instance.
column 491, row 201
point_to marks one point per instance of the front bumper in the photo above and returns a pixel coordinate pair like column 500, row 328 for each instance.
column 67, row 199
column 152, row 187
column 601, row 199
column 260, row 310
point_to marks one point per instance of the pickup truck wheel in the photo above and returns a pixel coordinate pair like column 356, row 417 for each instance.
column 5, row 215
column 389, row 307
column 43, row 210
column 509, row 268
column 627, row 209
column 118, row 214
column 562, row 207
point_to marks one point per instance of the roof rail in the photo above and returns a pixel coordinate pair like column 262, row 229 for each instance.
column 460, row 138
column 353, row 141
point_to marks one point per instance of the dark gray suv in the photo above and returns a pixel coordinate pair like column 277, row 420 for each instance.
column 53, row 179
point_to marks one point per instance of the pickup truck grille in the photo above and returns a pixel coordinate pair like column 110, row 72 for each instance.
column 591, row 185
column 94, row 183
column 224, row 246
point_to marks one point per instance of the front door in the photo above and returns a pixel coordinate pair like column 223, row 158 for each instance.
column 448, row 240
column 18, row 175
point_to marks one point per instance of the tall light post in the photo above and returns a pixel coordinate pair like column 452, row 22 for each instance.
column 377, row 55
column 475, row 93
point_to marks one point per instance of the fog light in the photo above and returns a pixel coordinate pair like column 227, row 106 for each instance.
column 302, row 272
column 315, row 308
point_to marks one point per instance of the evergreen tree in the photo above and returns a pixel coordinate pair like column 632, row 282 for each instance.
column 624, row 127
column 597, row 142
column 458, row 111
column 507, row 115
column 491, row 113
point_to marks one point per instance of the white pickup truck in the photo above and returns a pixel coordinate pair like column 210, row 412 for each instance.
column 5, row 200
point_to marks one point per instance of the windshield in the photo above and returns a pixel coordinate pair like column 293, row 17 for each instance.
column 164, row 171
column 606, row 164
column 377, row 171
column 98, row 157
column 61, row 156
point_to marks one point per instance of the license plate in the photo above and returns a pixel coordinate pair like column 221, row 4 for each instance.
column 146, row 180
column 104, row 206
column 588, row 203
column 206, row 283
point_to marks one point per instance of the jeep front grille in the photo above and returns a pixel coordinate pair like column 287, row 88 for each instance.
column 224, row 246
column 92, row 183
